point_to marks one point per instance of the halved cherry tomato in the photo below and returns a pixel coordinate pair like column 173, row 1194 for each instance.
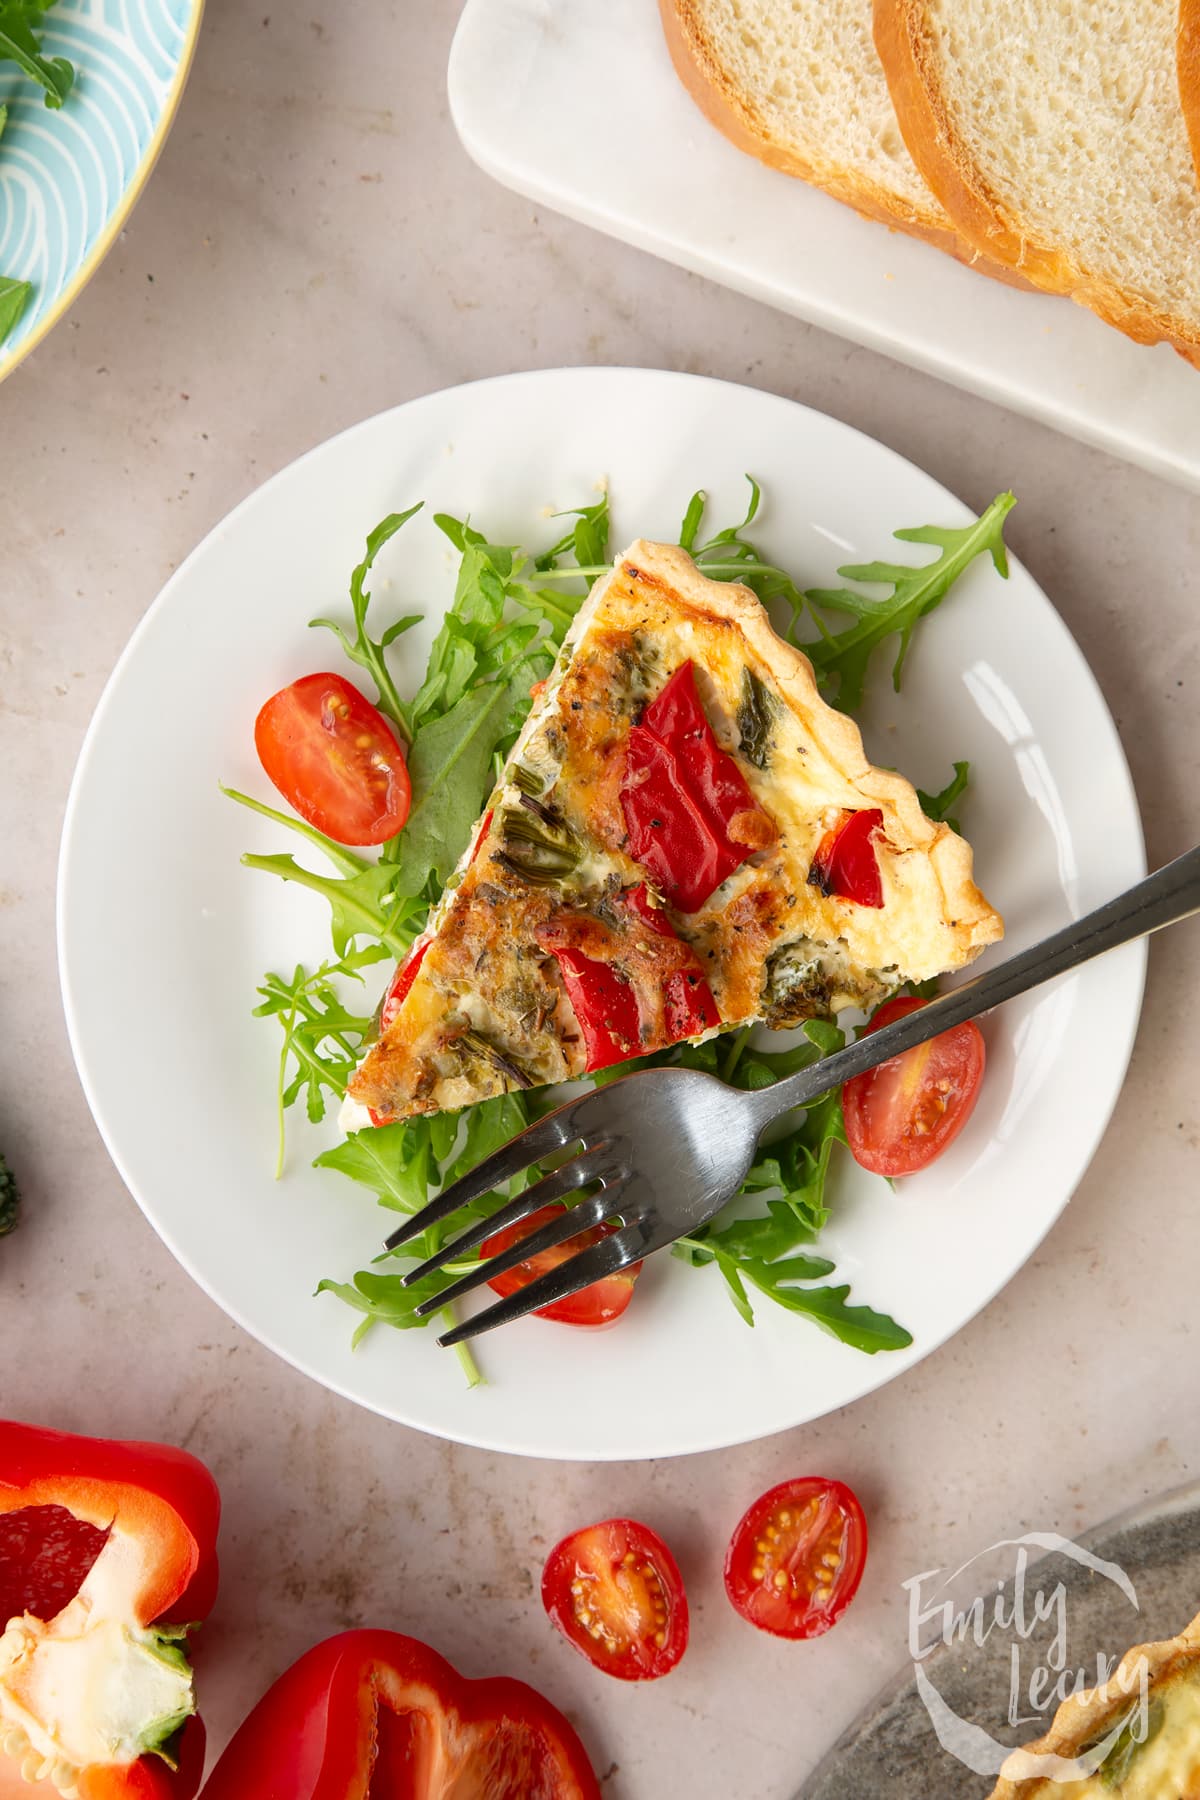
column 902, row 1115
column 335, row 758
column 796, row 1558
column 845, row 863
column 599, row 1304
column 614, row 1590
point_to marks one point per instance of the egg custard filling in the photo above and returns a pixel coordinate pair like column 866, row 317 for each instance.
column 685, row 838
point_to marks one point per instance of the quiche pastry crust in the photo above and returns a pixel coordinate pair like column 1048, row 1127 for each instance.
column 1167, row 1768
column 488, row 1011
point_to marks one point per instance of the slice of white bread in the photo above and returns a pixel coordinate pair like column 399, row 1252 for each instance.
column 798, row 84
column 1052, row 132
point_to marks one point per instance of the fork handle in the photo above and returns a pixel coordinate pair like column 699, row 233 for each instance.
column 1170, row 894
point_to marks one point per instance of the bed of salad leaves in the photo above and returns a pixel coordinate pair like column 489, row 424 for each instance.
column 510, row 612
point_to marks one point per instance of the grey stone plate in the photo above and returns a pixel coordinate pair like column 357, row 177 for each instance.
column 892, row 1751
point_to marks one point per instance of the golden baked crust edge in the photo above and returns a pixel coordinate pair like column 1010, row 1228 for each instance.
column 971, row 915
column 935, row 144
column 1082, row 1719
column 725, row 106
column 1187, row 65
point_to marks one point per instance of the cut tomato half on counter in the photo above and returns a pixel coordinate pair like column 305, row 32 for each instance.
column 615, row 1592
column 903, row 1114
column 600, row 1304
column 335, row 759
column 374, row 1715
column 797, row 1556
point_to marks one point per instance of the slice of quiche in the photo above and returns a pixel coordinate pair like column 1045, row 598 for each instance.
column 685, row 838
column 1135, row 1738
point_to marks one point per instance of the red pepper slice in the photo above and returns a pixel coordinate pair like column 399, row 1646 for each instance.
column 605, row 1006
column 96, row 1534
column 407, row 971
column 393, row 1000
column 845, row 864
column 372, row 1711
column 688, row 1004
column 690, row 816
column 484, row 827
column 402, row 980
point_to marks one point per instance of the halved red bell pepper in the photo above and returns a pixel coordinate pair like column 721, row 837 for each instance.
column 690, row 816
column 375, row 1713
column 100, row 1543
column 845, row 864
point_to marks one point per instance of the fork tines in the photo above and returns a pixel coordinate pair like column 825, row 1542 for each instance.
column 608, row 1257
column 512, row 1159
column 589, row 1170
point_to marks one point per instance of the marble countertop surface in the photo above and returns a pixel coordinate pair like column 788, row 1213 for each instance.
column 315, row 246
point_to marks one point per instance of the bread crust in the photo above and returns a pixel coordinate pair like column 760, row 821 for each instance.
column 905, row 44
column 725, row 105
column 1080, row 1721
column 1187, row 63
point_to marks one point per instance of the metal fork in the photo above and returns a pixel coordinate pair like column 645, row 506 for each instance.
column 666, row 1149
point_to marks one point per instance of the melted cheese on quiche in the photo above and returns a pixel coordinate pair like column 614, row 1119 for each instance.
column 488, row 1010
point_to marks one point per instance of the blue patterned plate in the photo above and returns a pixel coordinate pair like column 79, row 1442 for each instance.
column 68, row 179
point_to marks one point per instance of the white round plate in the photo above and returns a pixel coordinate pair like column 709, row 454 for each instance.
column 163, row 936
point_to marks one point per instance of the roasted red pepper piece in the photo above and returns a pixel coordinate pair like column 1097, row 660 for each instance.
column 100, row 1542
column 402, row 981
column 393, row 1000
column 604, row 988
column 605, row 1006
column 408, row 970
column 484, row 828
column 688, row 1003
column 845, row 863
column 372, row 1713
column 690, row 816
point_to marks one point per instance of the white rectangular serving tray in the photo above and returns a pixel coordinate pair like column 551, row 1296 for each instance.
column 575, row 104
